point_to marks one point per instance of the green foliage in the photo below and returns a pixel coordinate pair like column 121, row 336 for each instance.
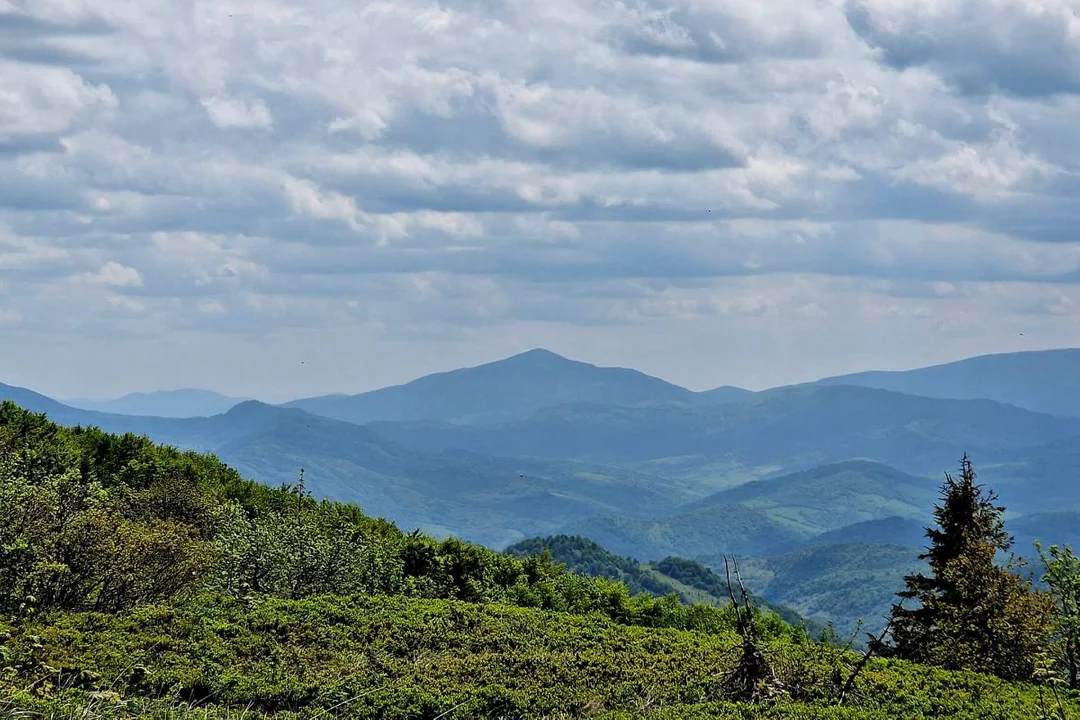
column 1062, row 577
column 972, row 613
column 141, row 581
column 92, row 521
column 851, row 585
column 394, row 657
column 67, row 541
column 689, row 581
column 587, row 557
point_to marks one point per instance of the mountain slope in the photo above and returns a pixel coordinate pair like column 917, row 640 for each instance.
column 1046, row 381
column 506, row 389
column 581, row 555
column 724, row 394
column 203, row 607
column 1050, row 528
column 787, row 429
column 829, row 497
column 690, row 581
column 841, row 583
column 728, row 529
column 163, row 403
column 768, row 517
column 893, row 530
column 39, row 403
column 486, row 499
column 1039, row 478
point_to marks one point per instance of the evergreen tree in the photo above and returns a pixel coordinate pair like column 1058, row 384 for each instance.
column 972, row 613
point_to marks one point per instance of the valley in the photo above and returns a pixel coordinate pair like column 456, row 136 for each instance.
column 823, row 488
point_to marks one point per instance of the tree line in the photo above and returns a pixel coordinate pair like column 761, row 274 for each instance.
column 91, row 521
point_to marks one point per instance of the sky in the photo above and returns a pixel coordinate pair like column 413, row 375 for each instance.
column 292, row 197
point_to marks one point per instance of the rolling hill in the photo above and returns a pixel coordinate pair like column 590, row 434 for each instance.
column 768, row 517
column 632, row 466
column 893, row 530
column 640, row 475
column 206, row 606
column 507, row 389
column 779, row 430
column 831, row 497
column 1046, row 381
column 491, row 500
column 841, row 583
column 729, row 529
column 690, row 581
column 163, row 403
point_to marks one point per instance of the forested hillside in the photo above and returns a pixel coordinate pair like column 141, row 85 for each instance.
column 652, row 470
column 689, row 581
column 140, row 580
column 93, row 521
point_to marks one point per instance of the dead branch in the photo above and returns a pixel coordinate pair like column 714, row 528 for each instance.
column 873, row 646
column 753, row 678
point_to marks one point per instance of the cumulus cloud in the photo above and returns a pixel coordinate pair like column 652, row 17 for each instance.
column 37, row 100
column 457, row 180
column 228, row 112
column 115, row 275
column 1022, row 47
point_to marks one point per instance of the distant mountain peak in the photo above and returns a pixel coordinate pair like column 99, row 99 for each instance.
column 1045, row 381
column 178, row 403
column 511, row 388
column 541, row 353
column 534, row 358
column 248, row 407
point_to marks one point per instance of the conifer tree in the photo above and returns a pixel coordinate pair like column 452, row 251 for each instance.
column 972, row 613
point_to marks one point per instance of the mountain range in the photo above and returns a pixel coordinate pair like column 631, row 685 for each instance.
column 1044, row 381
column 510, row 389
column 809, row 482
column 162, row 403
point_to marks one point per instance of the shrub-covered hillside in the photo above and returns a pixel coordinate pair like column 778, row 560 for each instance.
column 395, row 657
column 96, row 522
column 690, row 581
column 140, row 581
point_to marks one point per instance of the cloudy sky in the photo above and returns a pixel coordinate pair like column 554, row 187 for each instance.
column 289, row 197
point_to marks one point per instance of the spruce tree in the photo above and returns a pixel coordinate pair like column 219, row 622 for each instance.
column 971, row 613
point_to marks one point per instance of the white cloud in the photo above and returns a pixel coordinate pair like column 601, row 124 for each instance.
column 38, row 100
column 456, row 180
column 211, row 307
column 306, row 198
column 986, row 173
column 1024, row 47
column 238, row 113
column 114, row 274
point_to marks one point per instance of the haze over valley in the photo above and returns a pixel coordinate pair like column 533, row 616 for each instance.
column 829, row 479
column 576, row 359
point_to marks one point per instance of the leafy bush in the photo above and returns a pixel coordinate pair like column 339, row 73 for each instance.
column 395, row 657
column 140, row 581
column 93, row 521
